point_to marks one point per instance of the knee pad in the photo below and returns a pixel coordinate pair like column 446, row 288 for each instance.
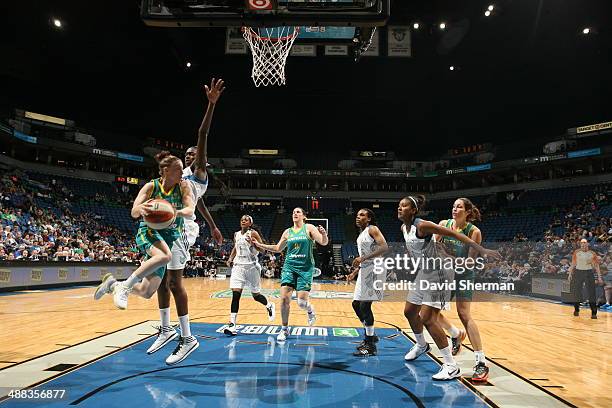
column 366, row 313
column 302, row 303
column 235, row 301
column 357, row 308
column 261, row 299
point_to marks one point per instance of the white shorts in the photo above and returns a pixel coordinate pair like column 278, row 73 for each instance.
column 180, row 253
column 246, row 276
column 366, row 283
column 436, row 298
column 192, row 230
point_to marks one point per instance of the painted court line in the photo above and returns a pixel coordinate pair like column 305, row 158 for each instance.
column 33, row 371
column 507, row 390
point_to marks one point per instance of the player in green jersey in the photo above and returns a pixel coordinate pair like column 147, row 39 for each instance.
column 155, row 244
column 463, row 214
column 299, row 265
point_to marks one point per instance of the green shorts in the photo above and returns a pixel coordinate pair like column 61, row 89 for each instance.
column 146, row 237
column 464, row 294
column 300, row 281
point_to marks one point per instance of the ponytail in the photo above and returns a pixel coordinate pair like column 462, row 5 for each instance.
column 417, row 201
column 471, row 209
column 165, row 159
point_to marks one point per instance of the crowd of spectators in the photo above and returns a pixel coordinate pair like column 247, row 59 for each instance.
column 521, row 259
column 33, row 233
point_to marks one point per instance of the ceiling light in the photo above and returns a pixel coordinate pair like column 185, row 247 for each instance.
column 442, row 26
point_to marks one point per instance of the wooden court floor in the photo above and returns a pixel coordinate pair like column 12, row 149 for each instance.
column 540, row 341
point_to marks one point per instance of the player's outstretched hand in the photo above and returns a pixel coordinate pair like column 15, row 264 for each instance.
column 213, row 93
column 491, row 253
column 216, row 234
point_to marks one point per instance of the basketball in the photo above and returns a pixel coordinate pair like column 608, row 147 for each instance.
column 161, row 216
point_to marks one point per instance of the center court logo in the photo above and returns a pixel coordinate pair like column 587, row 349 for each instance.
column 294, row 331
column 275, row 293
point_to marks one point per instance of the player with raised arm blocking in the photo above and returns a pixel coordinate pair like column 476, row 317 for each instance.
column 196, row 176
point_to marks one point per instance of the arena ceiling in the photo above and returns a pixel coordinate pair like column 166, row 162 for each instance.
column 525, row 71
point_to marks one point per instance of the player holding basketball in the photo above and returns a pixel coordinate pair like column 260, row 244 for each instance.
column 463, row 214
column 246, row 271
column 155, row 244
column 196, row 176
column 299, row 265
column 371, row 244
column 423, row 305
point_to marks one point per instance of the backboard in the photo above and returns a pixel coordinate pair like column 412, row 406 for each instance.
column 265, row 13
column 270, row 27
column 324, row 222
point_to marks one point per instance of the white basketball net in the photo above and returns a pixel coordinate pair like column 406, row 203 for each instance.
column 270, row 48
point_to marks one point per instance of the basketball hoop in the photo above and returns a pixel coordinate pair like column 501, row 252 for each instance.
column 270, row 48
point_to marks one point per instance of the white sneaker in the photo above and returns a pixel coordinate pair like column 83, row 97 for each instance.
column 104, row 287
column 271, row 307
column 165, row 335
column 120, row 295
column 282, row 336
column 415, row 352
column 312, row 317
column 447, row 372
column 230, row 330
column 186, row 346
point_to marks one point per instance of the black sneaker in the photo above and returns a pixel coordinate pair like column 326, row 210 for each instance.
column 363, row 342
column 481, row 373
column 368, row 349
column 230, row 330
column 576, row 313
column 593, row 316
column 457, row 342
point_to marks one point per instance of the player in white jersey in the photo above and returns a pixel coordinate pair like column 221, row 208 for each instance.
column 246, row 271
column 195, row 173
column 369, row 286
column 423, row 305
